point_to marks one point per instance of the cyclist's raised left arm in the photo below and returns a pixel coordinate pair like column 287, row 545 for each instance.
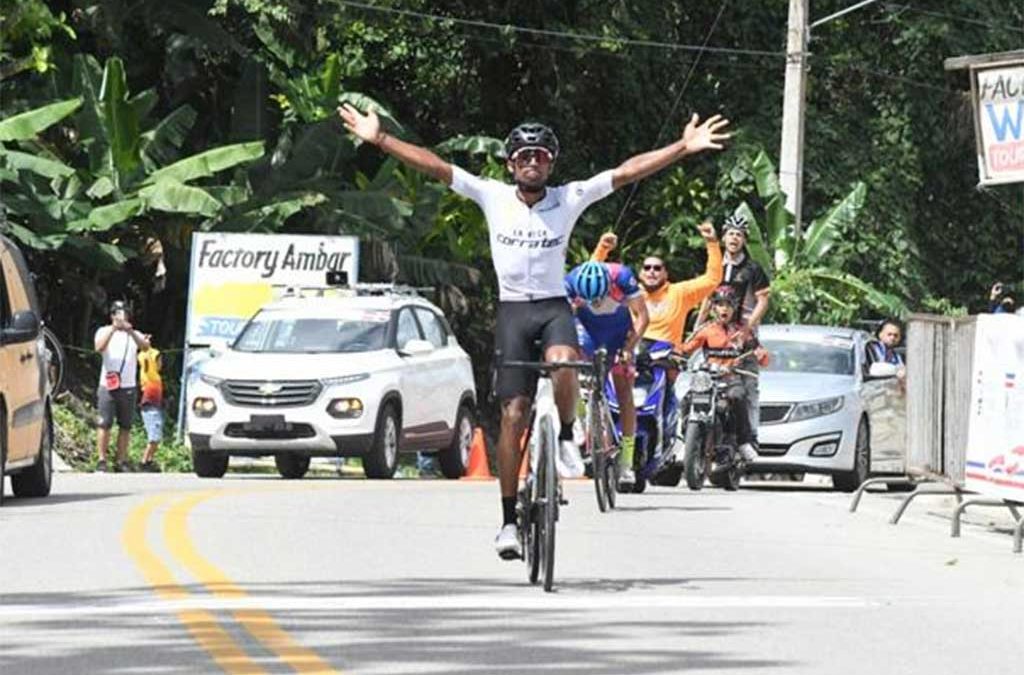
column 696, row 137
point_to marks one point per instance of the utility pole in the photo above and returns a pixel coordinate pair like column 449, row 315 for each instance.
column 794, row 103
column 791, row 156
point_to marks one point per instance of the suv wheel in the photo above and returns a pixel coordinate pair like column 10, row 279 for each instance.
column 35, row 481
column 291, row 465
column 455, row 458
column 382, row 459
column 210, row 464
column 3, row 453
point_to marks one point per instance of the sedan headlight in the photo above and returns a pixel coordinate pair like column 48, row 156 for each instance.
column 344, row 379
column 805, row 411
column 211, row 380
column 701, row 382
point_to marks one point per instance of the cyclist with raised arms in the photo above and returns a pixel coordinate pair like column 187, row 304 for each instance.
column 529, row 224
column 610, row 313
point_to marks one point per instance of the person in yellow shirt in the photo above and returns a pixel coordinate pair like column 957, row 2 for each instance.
column 668, row 304
column 151, row 404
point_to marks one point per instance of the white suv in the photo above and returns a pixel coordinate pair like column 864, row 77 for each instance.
column 369, row 375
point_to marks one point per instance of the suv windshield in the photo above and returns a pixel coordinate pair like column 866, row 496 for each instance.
column 789, row 356
column 364, row 332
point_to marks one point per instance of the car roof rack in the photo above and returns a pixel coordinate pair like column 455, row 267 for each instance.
column 290, row 291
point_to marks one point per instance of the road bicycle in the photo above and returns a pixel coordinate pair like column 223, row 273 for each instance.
column 540, row 497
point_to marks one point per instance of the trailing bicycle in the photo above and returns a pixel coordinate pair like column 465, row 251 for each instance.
column 600, row 434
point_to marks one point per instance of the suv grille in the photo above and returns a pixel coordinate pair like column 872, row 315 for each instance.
column 772, row 414
column 270, row 394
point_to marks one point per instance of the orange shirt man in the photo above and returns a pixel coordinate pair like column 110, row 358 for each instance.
column 668, row 304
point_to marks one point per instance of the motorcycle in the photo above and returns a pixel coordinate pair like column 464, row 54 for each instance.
column 657, row 418
column 710, row 450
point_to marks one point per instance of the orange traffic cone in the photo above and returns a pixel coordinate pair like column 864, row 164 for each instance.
column 478, row 468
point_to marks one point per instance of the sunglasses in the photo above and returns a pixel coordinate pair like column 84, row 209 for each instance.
column 653, row 268
column 530, row 155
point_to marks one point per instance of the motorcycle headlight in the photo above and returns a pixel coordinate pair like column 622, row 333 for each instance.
column 701, row 382
column 805, row 411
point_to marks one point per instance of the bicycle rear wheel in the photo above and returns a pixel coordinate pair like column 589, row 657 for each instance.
column 548, row 501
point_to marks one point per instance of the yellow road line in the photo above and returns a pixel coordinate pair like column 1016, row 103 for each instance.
column 258, row 622
column 201, row 625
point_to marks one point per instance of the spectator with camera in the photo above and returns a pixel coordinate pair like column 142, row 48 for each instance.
column 119, row 344
column 999, row 300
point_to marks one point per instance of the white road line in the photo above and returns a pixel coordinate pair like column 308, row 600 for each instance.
column 426, row 603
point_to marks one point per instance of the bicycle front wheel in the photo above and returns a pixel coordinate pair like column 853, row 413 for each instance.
column 596, row 443
column 548, row 484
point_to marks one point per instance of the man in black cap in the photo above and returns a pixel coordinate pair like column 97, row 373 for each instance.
column 120, row 344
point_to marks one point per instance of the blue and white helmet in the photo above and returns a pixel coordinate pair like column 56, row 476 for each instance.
column 592, row 281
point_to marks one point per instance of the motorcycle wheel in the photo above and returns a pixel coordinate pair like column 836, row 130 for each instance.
column 694, row 462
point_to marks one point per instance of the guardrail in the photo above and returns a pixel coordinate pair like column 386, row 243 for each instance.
column 941, row 374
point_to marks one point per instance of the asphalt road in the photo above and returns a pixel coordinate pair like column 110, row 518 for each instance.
column 252, row 574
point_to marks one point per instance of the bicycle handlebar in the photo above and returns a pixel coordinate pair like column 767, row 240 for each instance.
column 547, row 365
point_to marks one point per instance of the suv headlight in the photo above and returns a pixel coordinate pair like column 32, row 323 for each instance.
column 344, row 379
column 701, row 382
column 211, row 380
column 805, row 411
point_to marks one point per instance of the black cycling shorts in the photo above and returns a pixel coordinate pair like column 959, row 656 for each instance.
column 520, row 326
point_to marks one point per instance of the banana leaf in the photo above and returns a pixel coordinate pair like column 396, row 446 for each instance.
column 207, row 163
column 47, row 168
column 27, row 125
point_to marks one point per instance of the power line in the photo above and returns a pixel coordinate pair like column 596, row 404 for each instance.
column 672, row 112
column 582, row 37
column 955, row 17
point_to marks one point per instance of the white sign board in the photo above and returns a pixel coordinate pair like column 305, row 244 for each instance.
column 233, row 275
column 999, row 122
column 995, row 434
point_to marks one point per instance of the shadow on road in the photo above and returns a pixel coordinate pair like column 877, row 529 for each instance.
column 444, row 639
column 56, row 499
column 640, row 509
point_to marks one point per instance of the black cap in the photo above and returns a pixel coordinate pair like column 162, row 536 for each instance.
column 118, row 306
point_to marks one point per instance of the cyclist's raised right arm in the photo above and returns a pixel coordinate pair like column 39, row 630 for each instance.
column 367, row 127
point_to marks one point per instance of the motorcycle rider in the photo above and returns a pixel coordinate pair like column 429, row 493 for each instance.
column 727, row 342
column 610, row 313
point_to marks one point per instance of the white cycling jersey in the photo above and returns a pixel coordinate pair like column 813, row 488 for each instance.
column 528, row 244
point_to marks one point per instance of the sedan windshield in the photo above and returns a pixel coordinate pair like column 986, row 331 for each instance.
column 790, row 356
column 291, row 335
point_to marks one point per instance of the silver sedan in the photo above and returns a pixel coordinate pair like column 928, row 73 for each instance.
column 823, row 410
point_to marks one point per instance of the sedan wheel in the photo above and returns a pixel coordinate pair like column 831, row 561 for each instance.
column 849, row 481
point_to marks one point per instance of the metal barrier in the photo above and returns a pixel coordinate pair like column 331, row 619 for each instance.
column 940, row 367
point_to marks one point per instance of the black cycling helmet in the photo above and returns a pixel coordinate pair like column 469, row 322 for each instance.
column 736, row 221
column 531, row 135
column 118, row 306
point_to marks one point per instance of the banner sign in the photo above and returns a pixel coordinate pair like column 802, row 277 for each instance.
column 998, row 94
column 995, row 434
column 234, row 275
